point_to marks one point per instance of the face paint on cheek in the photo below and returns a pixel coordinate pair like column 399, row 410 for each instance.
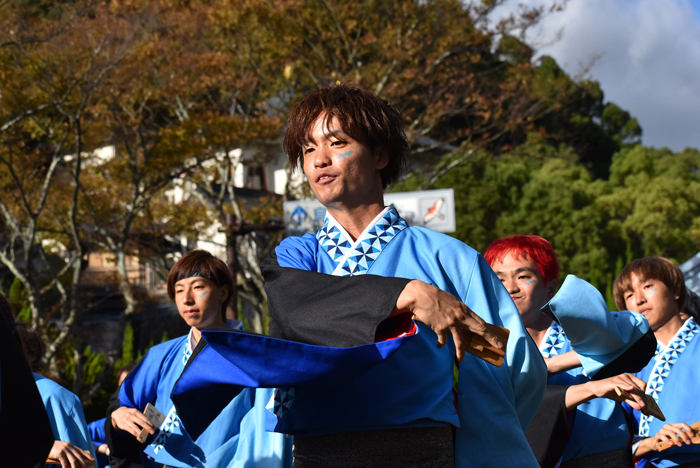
column 204, row 294
column 531, row 282
column 344, row 155
column 652, row 292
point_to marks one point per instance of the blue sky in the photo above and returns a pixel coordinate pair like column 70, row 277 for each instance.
column 648, row 59
column 696, row 7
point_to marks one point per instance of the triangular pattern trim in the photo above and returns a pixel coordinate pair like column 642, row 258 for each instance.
column 172, row 420
column 554, row 342
column 666, row 357
column 356, row 258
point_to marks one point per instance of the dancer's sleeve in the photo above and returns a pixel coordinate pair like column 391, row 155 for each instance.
column 607, row 343
column 326, row 310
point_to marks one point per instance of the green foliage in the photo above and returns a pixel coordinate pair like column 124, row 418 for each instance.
column 595, row 130
column 17, row 296
column 620, row 125
column 514, row 50
column 93, row 366
column 654, row 202
column 127, row 348
column 649, row 206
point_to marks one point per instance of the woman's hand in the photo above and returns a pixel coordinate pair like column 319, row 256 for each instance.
column 131, row 420
column 444, row 313
column 69, row 456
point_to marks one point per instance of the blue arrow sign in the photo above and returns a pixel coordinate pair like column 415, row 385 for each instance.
column 299, row 214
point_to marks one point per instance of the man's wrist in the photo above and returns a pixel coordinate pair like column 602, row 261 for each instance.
column 578, row 394
column 645, row 446
column 553, row 365
column 407, row 298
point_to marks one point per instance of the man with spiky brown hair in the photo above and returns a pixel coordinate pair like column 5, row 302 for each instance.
column 351, row 145
column 357, row 382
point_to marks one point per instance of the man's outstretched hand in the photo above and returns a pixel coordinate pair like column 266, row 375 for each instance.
column 444, row 313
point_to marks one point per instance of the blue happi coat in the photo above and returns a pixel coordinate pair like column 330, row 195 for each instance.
column 673, row 380
column 413, row 388
column 598, row 425
column 599, row 337
column 236, row 438
column 65, row 414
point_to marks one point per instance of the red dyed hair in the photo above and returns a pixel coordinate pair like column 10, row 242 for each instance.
column 535, row 248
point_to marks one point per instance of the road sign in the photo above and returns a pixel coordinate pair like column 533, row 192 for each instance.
column 433, row 209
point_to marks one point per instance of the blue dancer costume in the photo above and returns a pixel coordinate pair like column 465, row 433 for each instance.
column 607, row 344
column 673, row 380
column 235, row 438
column 65, row 413
column 412, row 388
column 97, row 434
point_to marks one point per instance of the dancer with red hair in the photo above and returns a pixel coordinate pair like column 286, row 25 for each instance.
column 580, row 400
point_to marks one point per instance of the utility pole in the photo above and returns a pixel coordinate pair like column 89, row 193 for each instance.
column 234, row 228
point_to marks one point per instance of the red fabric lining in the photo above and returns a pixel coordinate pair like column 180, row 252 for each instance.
column 395, row 327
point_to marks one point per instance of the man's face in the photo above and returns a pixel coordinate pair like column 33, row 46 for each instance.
column 523, row 281
column 199, row 301
column 651, row 298
column 342, row 172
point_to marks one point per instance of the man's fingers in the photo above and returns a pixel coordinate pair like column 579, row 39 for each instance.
column 140, row 419
column 70, row 459
column 131, row 428
column 134, row 429
column 639, row 383
column 674, row 434
column 634, row 405
column 460, row 343
column 63, row 459
column 76, row 456
column 684, row 431
column 442, row 338
column 491, row 337
column 478, row 326
column 639, row 400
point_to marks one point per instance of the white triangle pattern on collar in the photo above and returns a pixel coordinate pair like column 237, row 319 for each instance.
column 554, row 341
column 665, row 358
column 356, row 258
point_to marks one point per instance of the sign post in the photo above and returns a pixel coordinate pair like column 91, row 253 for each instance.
column 432, row 209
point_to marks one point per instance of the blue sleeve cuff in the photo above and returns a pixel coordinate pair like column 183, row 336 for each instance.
column 597, row 335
